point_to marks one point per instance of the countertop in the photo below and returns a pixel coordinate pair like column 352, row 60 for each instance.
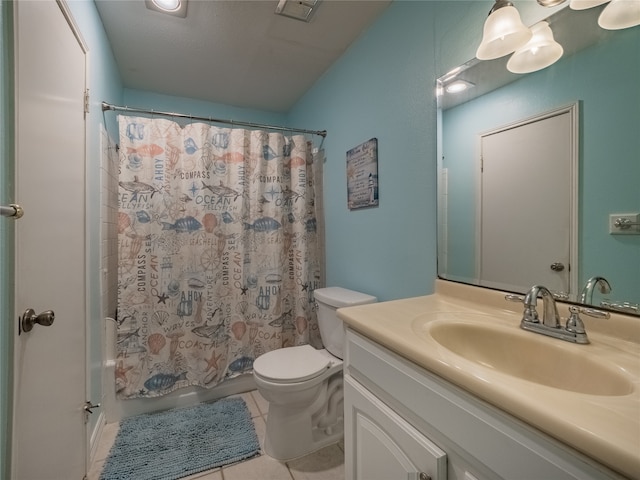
column 605, row 428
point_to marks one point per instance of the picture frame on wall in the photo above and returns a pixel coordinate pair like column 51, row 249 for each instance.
column 362, row 175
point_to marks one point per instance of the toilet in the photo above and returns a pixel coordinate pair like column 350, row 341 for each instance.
column 304, row 386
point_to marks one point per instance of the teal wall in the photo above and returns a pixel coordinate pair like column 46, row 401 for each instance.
column 609, row 142
column 168, row 103
column 383, row 88
column 104, row 84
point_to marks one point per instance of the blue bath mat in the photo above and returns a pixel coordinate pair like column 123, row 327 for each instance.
column 183, row 441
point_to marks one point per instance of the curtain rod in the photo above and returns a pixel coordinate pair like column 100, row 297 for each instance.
column 106, row 106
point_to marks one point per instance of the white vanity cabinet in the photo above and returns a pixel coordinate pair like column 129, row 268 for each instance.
column 402, row 422
column 384, row 445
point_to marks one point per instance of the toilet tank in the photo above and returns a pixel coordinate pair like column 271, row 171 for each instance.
column 328, row 301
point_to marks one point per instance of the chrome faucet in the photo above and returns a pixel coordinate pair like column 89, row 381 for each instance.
column 586, row 296
column 550, row 325
column 550, row 316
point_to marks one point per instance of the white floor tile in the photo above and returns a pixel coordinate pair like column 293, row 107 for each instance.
column 215, row 474
column 109, row 432
column 251, row 404
column 261, row 427
column 263, row 405
column 325, row 464
column 259, row 468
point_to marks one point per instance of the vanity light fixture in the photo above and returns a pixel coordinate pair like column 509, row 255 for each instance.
column 503, row 32
column 585, row 4
column 540, row 52
column 298, row 9
column 177, row 8
column 620, row 14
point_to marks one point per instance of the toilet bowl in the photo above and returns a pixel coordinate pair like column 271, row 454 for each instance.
column 304, row 386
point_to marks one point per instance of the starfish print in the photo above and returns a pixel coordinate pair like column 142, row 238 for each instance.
column 243, row 290
column 121, row 371
column 272, row 191
column 305, row 287
column 213, row 361
column 162, row 298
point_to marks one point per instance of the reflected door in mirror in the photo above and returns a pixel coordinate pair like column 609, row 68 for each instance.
column 525, row 207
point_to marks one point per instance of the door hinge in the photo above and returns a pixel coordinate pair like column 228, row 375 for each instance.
column 86, row 101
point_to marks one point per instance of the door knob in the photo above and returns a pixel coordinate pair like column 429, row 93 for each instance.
column 29, row 319
column 557, row 266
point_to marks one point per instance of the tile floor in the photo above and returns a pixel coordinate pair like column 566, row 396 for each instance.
column 325, row 464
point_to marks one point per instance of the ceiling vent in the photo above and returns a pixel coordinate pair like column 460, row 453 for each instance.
column 298, row 9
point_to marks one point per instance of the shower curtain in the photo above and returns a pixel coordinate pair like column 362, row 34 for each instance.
column 219, row 252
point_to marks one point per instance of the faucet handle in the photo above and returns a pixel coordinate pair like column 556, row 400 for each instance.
column 560, row 295
column 592, row 312
column 574, row 322
column 514, row 298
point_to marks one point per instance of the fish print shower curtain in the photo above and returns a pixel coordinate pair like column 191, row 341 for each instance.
column 219, row 252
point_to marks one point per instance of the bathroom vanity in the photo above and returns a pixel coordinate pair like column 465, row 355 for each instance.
column 448, row 386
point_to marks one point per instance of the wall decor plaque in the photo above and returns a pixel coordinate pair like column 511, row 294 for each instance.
column 362, row 175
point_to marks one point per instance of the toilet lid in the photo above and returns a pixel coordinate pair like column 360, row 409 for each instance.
column 291, row 364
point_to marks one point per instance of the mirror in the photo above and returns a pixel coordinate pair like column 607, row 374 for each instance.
column 599, row 74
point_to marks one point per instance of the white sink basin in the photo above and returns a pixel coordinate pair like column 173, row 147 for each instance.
column 529, row 356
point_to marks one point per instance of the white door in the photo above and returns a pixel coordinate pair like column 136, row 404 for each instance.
column 381, row 445
column 527, row 204
column 49, row 364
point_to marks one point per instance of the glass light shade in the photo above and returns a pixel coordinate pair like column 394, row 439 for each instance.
column 585, row 4
column 620, row 14
column 540, row 52
column 503, row 33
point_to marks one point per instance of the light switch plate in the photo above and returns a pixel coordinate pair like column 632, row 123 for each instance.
column 624, row 223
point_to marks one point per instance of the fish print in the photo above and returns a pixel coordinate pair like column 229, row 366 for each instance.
column 183, row 225
column 135, row 131
column 285, row 321
column 221, row 190
column 190, row 146
column 227, row 217
column 213, row 332
column 150, row 150
column 163, row 381
column 311, row 225
column 143, row 217
column 137, row 187
column 221, row 140
column 241, row 364
column 195, row 283
column 287, row 147
column 289, row 194
column 127, row 336
column 264, row 224
column 185, row 198
column 268, row 153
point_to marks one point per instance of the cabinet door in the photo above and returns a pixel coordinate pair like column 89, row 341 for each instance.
column 381, row 445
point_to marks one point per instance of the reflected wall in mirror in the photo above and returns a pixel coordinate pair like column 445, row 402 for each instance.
column 599, row 74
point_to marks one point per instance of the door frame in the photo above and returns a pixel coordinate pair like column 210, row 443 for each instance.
column 75, row 30
column 573, row 110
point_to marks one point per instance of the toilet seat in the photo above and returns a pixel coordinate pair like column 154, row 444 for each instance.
column 291, row 364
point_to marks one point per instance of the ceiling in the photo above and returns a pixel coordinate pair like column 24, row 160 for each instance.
column 234, row 52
